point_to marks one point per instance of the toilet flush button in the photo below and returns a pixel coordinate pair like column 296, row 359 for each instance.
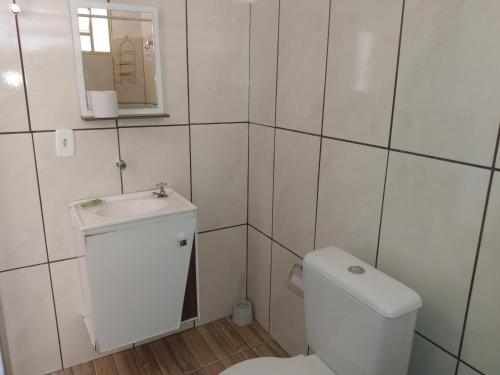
column 358, row 270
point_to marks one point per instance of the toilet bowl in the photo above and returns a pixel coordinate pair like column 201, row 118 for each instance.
column 358, row 321
column 299, row 365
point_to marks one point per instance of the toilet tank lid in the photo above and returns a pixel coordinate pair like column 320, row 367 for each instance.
column 378, row 291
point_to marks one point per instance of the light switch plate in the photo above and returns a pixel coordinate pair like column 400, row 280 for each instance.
column 65, row 143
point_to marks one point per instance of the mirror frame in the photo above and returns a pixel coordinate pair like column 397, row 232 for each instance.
column 85, row 112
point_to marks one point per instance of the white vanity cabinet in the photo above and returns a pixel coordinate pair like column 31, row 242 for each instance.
column 134, row 254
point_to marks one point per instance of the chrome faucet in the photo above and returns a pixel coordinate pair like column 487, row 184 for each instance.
column 162, row 193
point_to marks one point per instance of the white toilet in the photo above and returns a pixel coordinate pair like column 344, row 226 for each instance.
column 359, row 321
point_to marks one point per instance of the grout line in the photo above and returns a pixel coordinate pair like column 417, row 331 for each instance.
column 150, row 126
column 119, row 155
column 458, row 359
column 274, row 162
column 479, row 243
column 249, row 58
column 15, row 133
column 355, row 142
column 47, row 250
column 216, row 229
column 470, row 366
column 248, row 139
column 475, row 165
column 219, row 123
column 397, row 71
column 38, row 264
column 23, row 74
column 440, row 158
column 299, row 131
column 256, row 123
column 436, row 345
column 23, row 267
column 28, row 115
column 322, row 124
column 189, row 106
column 273, row 240
column 389, row 141
column 382, row 209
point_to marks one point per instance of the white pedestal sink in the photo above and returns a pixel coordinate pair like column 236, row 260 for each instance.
column 134, row 253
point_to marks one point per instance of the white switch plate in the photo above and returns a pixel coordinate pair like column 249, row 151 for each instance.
column 65, row 142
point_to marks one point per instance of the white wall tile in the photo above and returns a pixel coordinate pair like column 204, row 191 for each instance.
column 29, row 320
column 76, row 347
column 295, row 181
column 75, row 342
column 21, row 229
column 49, row 64
column 428, row 359
column 156, row 155
column 430, row 228
column 466, row 370
column 218, row 60
column 259, row 275
column 350, row 198
column 449, row 80
column 172, row 15
column 12, row 102
column 362, row 69
column 219, row 168
column 482, row 334
column 303, row 38
column 287, row 307
column 222, row 268
column 260, row 184
column 90, row 173
column 263, row 55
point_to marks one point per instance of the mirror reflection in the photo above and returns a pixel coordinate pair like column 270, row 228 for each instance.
column 117, row 48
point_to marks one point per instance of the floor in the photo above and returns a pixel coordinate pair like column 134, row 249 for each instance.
column 204, row 350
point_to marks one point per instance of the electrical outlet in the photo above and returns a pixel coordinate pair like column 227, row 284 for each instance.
column 65, row 143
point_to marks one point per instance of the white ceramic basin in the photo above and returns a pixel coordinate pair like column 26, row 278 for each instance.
column 131, row 207
column 126, row 208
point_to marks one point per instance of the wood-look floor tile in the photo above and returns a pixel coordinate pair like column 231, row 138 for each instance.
column 105, row 366
column 253, row 333
column 83, row 369
column 64, row 371
column 165, row 358
column 182, row 354
column 199, row 347
column 125, row 362
column 196, row 372
column 237, row 358
column 270, row 349
column 205, row 350
column 222, row 338
column 145, row 361
column 214, row 369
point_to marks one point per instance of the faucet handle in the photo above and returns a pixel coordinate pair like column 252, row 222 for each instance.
column 162, row 193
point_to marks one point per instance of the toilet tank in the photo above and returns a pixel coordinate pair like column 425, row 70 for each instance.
column 359, row 321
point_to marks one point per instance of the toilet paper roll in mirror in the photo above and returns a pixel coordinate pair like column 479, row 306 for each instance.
column 295, row 280
column 103, row 104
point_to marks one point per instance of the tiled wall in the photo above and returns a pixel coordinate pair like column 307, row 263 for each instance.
column 374, row 127
column 368, row 131
column 201, row 151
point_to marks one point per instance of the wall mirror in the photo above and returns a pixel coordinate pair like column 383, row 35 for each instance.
column 117, row 49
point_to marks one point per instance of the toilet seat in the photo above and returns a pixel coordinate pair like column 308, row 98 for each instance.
column 299, row 365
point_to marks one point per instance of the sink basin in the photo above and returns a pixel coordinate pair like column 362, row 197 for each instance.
column 132, row 207
column 127, row 208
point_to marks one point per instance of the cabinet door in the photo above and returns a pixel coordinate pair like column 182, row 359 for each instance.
column 137, row 279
